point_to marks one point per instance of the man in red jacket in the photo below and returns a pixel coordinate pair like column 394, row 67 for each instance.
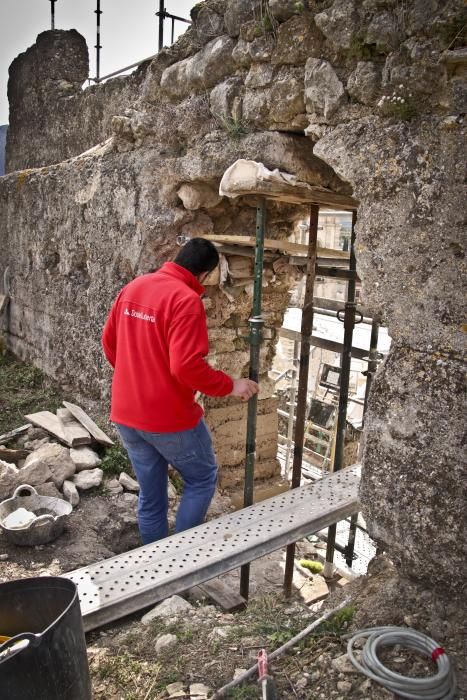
column 156, row 340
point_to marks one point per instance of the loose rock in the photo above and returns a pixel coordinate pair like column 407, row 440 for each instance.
column 57, row 458
column 70, row 492
column 165, row 642
column 84, row 458
column 88, row 479
column 171, row 607
column 128, row 483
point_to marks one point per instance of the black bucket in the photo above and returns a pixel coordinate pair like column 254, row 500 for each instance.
column 50, row 661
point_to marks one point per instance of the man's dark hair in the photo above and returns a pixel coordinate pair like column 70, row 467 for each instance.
column 198, row 255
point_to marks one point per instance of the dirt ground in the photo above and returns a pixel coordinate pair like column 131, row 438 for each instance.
column 211, row 645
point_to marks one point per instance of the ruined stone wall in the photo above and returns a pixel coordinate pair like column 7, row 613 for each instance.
column 51, row 116
column 376, row 89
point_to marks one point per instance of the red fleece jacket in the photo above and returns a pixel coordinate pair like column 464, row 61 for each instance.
column 156, row 339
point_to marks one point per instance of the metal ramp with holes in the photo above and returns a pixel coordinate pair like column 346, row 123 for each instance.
column 116, row 587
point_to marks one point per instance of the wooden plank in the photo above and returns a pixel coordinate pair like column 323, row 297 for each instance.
column 246, row 178
column 222, row 595
column 88, row 423
column 286, row 247
column 74, row 432
column 6, row 437
column 13, row 456
column 48, row 421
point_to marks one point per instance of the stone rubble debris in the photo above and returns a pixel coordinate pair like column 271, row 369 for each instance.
column 128, row 483
column 170, row 607
column 19, row 519
column 88, row 479
column 71, row 493
column 84, row 458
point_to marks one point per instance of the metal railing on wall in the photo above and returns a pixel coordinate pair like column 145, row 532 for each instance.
column 162, row 14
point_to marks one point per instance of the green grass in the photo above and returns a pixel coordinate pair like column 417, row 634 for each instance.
column 24, row 389
column 116, row 461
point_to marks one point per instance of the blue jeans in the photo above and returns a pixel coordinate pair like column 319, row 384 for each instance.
column 191, row 453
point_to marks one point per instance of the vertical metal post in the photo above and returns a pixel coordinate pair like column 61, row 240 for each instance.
column 349, row 322
column 161, row 15
column 306, row 331
column 52, row 14
column 372, row 363
column 173, row 31
column 372, row 366
column 256, row 325
column 98, row 40
column 290, row 423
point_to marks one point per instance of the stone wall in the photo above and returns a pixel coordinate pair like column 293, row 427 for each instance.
column 51, row 116
column 374, row 89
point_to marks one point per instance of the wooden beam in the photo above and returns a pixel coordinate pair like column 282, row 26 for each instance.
column 222, row 595
column 48, row 421
column 6, row 437
column 88, row 423
column 294, row 249
column 248, row 177
column 74, row 432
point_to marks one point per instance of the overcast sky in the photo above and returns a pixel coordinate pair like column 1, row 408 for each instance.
column 128, row 30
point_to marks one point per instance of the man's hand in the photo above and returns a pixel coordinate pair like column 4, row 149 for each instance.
column 244, row 388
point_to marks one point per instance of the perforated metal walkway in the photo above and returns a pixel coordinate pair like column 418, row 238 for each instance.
column 128, row 582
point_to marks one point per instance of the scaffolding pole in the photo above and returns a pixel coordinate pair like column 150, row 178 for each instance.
column 52, row 14
column 256, row 325
column 349, row 323
column 370, row 372
column 306, row 331
column 98, row 46
column 291, row 418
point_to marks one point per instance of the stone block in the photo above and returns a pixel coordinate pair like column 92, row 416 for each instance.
column 201, row 71
column 170, row 607
column 48, row 489
column 84, row 458
column 340, row 23
column 35, row 473
column 324, row 92
column 88, row 479
column 364, row 82
column 296, row 41
column 128, row 483
column 198, row 195
column 8, row 479
column 70, row 493
column 238, row 12
column 56, row 458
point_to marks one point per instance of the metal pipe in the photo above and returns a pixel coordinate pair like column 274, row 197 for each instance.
column 349, row 322
column 161, row 15
column 291, row 417
column 306, row 331
column 98, row 40
column 372, row 367
column 256, row 325
column 122, row 70
column 52, row 14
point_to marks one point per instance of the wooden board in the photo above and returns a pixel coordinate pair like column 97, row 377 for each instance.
column 13, row 456
column 74, row 432
column 6, row 437
column 282, row 246
column 222, row 595
column 88, row 423
column 49, row 422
